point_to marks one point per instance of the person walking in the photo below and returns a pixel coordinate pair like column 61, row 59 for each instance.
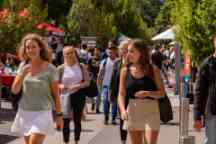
column 205, row 98
column 37, row 79
column 73, row 78
column 140, row 87
column 122, row 62
column 93, row 67
column 159, row 59
column 104, row 81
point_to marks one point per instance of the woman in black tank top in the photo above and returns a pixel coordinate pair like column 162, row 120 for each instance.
column 140, row 87
column 134, row 84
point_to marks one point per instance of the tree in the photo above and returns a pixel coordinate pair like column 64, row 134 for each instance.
column 85, row 19
column 107, row 18
column 129, row 21
column 16, row 25
column 58, row 9
column 163, row 19
column 148, row 10
column 196, row 24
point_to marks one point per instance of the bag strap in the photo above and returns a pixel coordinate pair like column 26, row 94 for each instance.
column 61, row 72
column 102, row 73
column 83, row 71
column 103, row 68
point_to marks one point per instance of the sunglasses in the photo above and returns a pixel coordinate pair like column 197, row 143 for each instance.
column 69, row 53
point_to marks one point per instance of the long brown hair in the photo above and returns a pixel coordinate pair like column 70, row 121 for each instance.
column 45, row 52
column 144, row 59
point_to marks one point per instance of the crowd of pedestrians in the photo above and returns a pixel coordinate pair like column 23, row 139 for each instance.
column 129, row 81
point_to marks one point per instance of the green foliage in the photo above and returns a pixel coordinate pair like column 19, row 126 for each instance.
column 148, row 9
column 163, row 20
column 58, row 9
column 85, row 19
column 129, row 21
column 196, row 23
column 12, row 30
column 106, row 19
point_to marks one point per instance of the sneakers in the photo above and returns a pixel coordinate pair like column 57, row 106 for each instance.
column 106, row 119
column 98, row 111
column 114, row 122
column 106, row 122
column 92, row 106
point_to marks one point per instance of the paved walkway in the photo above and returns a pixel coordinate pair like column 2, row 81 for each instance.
column 94, row 132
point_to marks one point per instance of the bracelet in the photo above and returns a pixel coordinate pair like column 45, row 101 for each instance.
column 59, row 114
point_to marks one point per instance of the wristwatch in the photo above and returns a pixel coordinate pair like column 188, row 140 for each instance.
column 59, row 114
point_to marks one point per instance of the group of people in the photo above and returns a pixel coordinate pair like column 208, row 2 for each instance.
column 126, row 80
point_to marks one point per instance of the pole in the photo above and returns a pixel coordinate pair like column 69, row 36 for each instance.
column 184, row 119
column 177, row 67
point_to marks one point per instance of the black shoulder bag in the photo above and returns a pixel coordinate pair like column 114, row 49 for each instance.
column 91, row 90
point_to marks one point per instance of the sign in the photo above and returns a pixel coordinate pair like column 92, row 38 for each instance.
column 90, row 41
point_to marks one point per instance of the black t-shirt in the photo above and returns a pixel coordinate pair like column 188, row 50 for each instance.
column 94, row 65
column 158, row 58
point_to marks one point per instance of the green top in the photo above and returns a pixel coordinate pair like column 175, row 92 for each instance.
column 36, row 90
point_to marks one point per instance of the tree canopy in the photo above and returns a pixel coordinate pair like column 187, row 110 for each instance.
column 196, row 24
column 19, row 20
column 108, row 18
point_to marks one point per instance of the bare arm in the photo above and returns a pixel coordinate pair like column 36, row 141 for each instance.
column 122, row 91
column 17, row 84
column 55, row 94
column 99, row 82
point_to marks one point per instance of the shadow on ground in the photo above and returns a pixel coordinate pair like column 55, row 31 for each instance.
column 7, row 115
column 6, row 138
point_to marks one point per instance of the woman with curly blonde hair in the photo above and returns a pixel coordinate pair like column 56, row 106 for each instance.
column 37, row 80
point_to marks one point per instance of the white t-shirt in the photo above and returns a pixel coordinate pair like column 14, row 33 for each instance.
column 172, row 55
column 72, row 75
column 108, row 71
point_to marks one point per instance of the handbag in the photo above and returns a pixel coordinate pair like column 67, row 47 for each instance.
column 65, row 105
column 165, row 107
column 91, row 90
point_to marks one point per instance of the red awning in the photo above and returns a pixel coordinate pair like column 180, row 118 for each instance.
column 49, row 27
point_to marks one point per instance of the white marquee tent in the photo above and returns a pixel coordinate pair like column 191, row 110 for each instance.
column 166, row 35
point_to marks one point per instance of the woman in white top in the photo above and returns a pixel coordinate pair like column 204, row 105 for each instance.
column 37, row 79
column 73, row 77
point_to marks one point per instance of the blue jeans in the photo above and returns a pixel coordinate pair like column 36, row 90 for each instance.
column 98, row 100
column 210, row 129
column 106, row 102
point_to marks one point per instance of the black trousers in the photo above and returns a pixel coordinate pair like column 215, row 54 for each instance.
column 77, row 105
column 123, row 133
